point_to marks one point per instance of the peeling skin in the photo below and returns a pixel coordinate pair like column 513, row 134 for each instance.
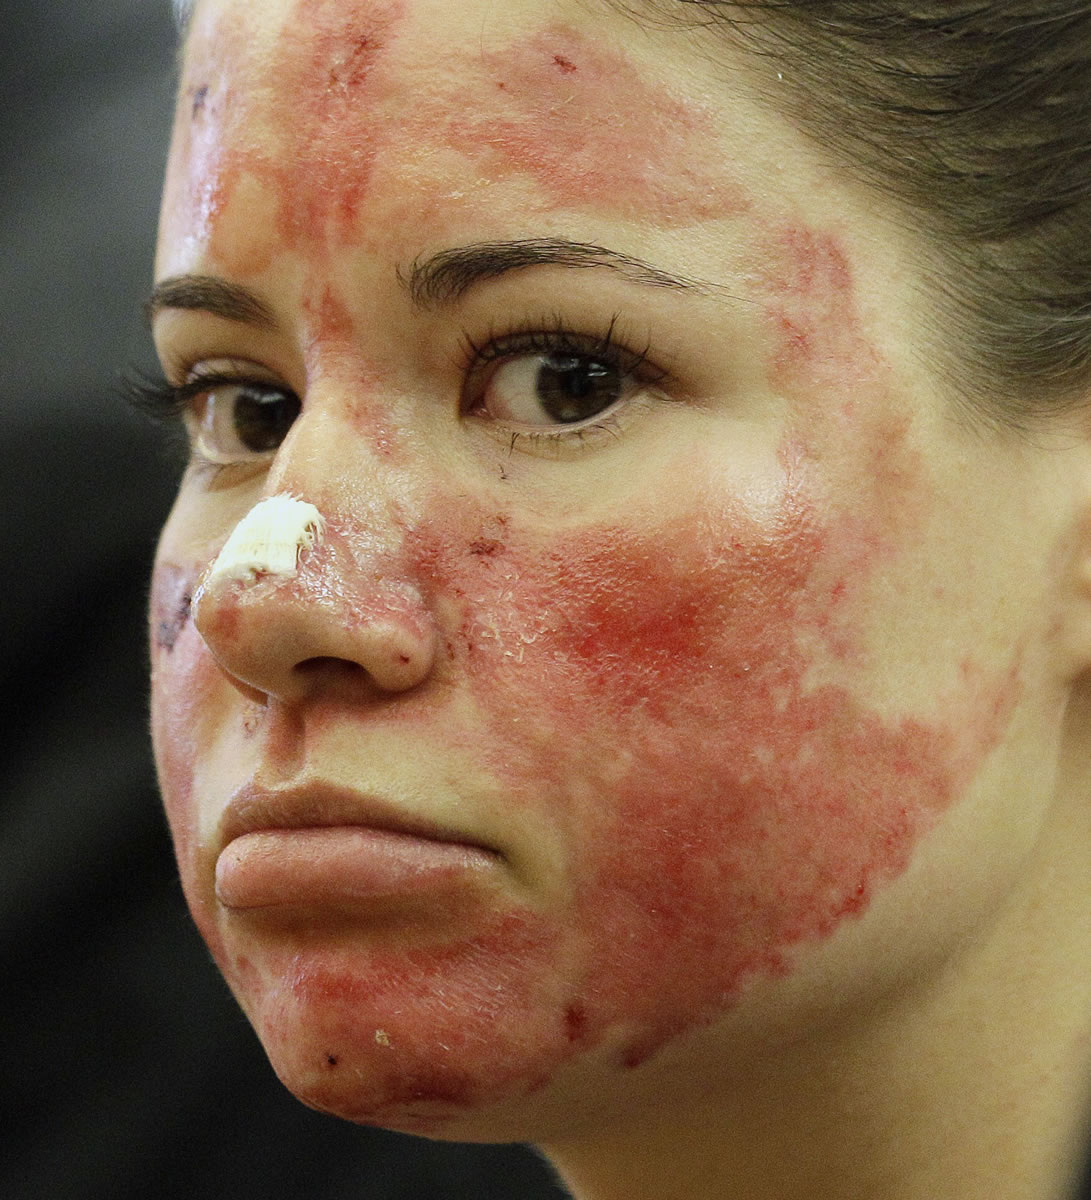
column 268, row 542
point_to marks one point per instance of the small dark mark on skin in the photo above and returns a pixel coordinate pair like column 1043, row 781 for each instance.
column 168, row 629
column 200, row 95
column 575, row 1021
column 332, row 1060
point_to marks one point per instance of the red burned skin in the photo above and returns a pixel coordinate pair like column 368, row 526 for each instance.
column 316, row 99
column 645, row 706
column 440, row 1027
column 583, row 123
column 812, row 311
column 331, row 349
column 328, row 57
column 589, row 127
column 730, row 813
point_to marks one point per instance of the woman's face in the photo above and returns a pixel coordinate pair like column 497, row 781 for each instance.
column 677, row 671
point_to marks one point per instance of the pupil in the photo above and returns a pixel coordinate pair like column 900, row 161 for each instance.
column 575, row 389
column 262, row 419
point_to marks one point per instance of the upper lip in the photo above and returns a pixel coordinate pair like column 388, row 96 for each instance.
column 321, row 805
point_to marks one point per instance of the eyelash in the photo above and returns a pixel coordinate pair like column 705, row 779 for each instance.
column 553, row 336
column 168, row 402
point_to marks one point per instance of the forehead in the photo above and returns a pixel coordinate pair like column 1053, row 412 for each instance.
column 412, row 113
column 452, row 34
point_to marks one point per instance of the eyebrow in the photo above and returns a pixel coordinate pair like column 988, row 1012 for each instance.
column 440, row 279
column 208, row 293
column 446, row 276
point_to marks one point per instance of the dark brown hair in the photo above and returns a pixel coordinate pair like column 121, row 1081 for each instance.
column 975, row 117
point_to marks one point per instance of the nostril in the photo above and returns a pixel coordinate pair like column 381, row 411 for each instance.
column 327, row 666
column 393, row 671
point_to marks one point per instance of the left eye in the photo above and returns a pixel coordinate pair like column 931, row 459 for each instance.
column 551, row 389
column 233, row 422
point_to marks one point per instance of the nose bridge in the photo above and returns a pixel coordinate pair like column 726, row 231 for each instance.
column 344, row 454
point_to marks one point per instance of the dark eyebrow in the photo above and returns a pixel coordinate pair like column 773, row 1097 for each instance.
column 207, row 293
column 446, row 276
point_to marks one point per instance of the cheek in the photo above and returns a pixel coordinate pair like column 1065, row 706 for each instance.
column 650, row 702
column 171, row 601
column 188, row 706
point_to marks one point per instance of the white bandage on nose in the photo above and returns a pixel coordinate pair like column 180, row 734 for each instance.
column 268, row 541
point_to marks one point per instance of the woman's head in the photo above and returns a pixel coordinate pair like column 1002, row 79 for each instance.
column 628, row 658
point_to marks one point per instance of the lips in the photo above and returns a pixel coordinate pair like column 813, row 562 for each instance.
column 318, row 846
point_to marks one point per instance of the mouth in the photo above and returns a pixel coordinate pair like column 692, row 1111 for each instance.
column 317, row 846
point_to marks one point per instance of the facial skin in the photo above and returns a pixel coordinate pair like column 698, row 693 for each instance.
column 746, row 694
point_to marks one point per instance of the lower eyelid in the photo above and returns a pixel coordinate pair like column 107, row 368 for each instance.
column 560, row 441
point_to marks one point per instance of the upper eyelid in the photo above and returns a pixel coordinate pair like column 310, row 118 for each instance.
column 551, row 336
column 544, row 335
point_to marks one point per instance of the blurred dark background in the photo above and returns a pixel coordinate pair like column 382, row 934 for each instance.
column 127, row 1070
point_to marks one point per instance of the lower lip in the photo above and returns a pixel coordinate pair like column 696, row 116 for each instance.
column 302, row 867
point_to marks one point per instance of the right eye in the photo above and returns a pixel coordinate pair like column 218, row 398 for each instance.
column 232, row 422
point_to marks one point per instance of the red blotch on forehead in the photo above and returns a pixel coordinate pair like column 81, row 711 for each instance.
column 313, row 96
column 327, row 56
column 594, row 130
column 346, row 119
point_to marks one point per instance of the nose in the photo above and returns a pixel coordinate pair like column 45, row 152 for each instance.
column 298, row 605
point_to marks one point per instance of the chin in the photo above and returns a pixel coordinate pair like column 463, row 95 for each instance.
column 411, row 1086
column 441, row 1042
